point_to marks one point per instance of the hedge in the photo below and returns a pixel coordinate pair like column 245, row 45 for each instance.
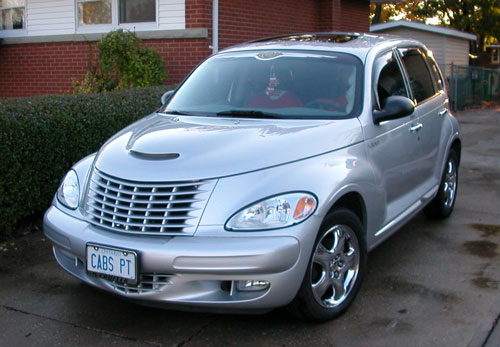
column 41, row 137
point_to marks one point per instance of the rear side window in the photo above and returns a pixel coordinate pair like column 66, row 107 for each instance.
column 421, row 82
column 390, row 80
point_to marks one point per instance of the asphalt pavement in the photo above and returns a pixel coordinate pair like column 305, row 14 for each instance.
column 434, row 283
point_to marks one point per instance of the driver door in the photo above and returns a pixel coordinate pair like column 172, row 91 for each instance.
column 393, row 145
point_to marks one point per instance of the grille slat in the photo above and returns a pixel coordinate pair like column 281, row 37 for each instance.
column 145, row 208
column 130, row 207
column 115, row 217
column 118, row 181
column 106, row 194
column 157, row 192
column 148, row 283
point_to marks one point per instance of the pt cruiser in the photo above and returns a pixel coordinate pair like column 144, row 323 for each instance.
column 265, row 177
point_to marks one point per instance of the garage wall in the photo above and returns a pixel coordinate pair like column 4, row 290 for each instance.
column 446, row 49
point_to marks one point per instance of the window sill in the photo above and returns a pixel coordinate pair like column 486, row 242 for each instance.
column 12, row 33
column 194, row 33
column 104, row 28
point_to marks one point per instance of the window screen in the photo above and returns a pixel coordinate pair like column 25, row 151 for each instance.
column 421, row 82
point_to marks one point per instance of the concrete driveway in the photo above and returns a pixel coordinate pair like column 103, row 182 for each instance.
column 434, row 283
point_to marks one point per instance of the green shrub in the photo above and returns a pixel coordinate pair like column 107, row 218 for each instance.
column 122, row 63
column 43, row 136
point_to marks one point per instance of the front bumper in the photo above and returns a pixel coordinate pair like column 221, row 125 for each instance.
column 189, row 271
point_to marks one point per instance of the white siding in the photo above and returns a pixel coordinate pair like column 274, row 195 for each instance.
column 457, row 51
column 434, row 42
column 57, row 17
column 171, row 14
column 50, row 17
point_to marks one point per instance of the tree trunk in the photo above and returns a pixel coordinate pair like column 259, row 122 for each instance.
column 378, row 14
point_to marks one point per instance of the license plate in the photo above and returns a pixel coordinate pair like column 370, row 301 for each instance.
column 112, row 262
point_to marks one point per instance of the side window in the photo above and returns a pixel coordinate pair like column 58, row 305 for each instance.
column 389, row 78
column 436, row 74
column 421, row 82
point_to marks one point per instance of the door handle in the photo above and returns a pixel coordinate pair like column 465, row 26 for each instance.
column 443, row 112
column 416, row 127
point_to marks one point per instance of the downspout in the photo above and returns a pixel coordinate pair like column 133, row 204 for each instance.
column 215, row 26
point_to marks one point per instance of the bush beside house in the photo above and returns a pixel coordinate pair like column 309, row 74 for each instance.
column 123, row 62
column 43, row 136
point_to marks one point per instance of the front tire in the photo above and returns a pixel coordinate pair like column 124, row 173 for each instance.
column 442, row 204
column 336, row 268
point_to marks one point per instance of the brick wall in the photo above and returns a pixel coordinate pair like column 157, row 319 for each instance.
column 48, row 68
column 42, row 68
column 344, row 15
column 354, row 16
column 242, row 20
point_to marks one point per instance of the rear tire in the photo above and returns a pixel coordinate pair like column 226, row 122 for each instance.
column 336, row 268
column 442, row 205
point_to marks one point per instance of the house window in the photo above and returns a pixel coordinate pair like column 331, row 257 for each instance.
column 116, row 12
column 494, row 56
column 137, row 11
column 11, row 14
column 94, row 12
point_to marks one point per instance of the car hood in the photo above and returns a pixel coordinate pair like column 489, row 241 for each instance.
column 166, row 148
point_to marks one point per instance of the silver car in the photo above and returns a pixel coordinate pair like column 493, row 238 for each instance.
column 265, row 178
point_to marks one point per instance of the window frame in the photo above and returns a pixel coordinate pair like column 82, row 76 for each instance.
column 423, row 54
column 115, row 21
column 439, row 81
column 377, row 70
column 495, row 56
column 20, row 30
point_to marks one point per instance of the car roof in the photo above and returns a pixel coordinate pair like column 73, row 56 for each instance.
column 348, row 42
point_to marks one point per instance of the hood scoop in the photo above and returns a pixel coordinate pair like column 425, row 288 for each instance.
column 154, row 156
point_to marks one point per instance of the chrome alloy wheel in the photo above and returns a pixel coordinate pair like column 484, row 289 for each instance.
column 450, row 183
column 335, row 266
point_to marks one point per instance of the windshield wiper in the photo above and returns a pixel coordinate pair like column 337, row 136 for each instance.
column 180, row 113
column 250, row 114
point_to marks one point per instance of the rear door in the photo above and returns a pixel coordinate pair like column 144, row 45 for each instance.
column 431, row 106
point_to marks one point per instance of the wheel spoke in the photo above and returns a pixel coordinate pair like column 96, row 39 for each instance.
column 322, row 256
column 338, row 287
column 339, row 241
column 350, row 261
column 450, row 184
column 321, row 287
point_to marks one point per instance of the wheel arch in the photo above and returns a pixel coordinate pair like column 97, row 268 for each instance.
column 457, row 147
column 354, row 202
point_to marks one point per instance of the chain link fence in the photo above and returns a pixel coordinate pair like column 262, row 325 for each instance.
column 470, row 86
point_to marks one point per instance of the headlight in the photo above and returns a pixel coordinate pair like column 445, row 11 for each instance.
column 69, row 191
column 274, row 212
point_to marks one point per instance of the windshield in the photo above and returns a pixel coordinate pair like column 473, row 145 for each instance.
column 272, row 84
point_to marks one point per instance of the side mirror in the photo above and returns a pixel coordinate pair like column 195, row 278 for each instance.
column 166, row 97
column 394, row 107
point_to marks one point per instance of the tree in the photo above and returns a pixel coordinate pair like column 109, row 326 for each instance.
column 480, row 17
column 408, row 10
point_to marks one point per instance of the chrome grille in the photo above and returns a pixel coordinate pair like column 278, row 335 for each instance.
column 148, row 283
column 145, row 207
